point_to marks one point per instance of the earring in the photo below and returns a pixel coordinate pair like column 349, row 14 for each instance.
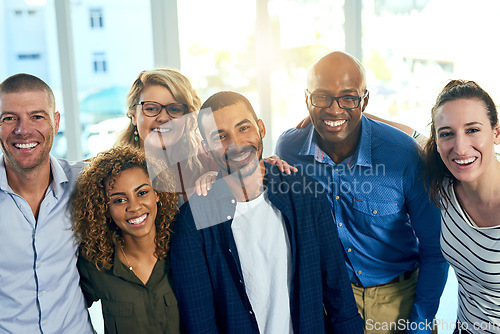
column 136, row 134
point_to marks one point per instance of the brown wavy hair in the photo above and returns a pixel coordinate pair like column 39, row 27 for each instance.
column 96, row 232
column 183, row 92
column 435, row 170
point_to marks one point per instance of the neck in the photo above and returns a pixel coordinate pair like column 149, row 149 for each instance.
column 30, row 184
column 246, row 188
column 139, row 247
column 339, row 151
column 486, row 188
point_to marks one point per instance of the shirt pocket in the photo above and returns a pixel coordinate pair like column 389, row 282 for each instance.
column 171, row 314
column 119, row 317
column 370, row 214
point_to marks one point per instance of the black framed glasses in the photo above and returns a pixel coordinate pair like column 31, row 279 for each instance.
column 152, row 109
column 344, row 102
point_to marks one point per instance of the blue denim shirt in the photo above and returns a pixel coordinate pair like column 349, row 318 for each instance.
column 209, row 284
column 385, row 221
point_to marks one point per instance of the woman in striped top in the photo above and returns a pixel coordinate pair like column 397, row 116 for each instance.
column 464, row 181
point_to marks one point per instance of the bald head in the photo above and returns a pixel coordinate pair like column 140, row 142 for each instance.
column 337, row 67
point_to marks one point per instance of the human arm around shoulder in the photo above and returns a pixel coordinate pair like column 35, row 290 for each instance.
column 191, row 276
column 340, row 306
column 86, row 282
column 425, row 219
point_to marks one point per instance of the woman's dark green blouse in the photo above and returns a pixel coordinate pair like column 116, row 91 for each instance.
column 129, row 306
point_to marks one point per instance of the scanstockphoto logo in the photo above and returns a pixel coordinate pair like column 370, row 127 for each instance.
column 439, row 324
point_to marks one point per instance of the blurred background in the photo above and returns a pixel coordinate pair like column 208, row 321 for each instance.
column 90, row 52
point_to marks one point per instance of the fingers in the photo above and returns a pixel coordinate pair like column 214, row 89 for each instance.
column 204, row 183
column 303, row 123
column 283, row 166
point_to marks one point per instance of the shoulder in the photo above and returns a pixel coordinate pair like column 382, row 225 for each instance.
column 293, row 139
column 295, row 186
column 384, row 136
column 71, row 169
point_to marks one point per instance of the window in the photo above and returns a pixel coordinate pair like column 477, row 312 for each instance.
column 100, row 64
column 30, row 56
column 96, row 18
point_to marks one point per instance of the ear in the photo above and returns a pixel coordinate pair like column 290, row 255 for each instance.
column 496, row 134
column 133, row 117
column 262, row 128
column 157, row 197
column 306, row 99
column 57, row 119
column 205, row 147
column 365, row 101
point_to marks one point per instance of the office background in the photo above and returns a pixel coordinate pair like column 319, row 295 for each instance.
column 90, row 51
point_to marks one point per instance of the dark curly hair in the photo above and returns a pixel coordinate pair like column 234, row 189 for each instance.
column 96, row 232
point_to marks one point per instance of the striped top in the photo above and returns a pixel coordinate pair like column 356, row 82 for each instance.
column 474, row 254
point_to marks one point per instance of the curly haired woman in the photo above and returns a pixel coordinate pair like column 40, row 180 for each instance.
column 123, row 227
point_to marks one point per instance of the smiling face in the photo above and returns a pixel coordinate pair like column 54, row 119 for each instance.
column 133, row 204
column 160, row 130
column 465, row 139
column 28, row 127
column 337, row 74
column 234, row 138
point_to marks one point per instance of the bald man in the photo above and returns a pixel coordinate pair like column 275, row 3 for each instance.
column 388, row 228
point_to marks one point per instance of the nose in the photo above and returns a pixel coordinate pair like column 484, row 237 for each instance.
column 163, row 116
column 22, row 127
column 133, row 204
column 462, row 144
column 334, row 108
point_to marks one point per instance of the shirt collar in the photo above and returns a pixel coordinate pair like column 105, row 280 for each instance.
column 58, row 176
column 361, row 157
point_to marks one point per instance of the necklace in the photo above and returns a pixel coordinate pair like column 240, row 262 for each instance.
column 126, row 259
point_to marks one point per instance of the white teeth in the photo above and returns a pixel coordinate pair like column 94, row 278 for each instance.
column 25, row 146
column 137, row 220
column 242, row 157
column 465, row 161
column 335, row 123
column 162, row 130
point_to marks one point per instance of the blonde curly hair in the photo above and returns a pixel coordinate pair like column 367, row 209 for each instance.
column 96, row 232
column 183, row 92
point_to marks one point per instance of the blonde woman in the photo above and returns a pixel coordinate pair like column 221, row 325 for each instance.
column 162, row 106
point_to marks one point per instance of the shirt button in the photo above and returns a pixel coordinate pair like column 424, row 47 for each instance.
column 359, row 272
column 340, row 224
column 228, row 217
column 349, row 250
column 337, row 197
column 374, row 212
column 232, row 201
column 241, row 281
column 45, row 322
column 336, row 169
column 43, row 293
column 250, row 312
column 230, row 250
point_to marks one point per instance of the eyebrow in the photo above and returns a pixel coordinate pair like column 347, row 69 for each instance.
column 246, row 120
column 37, row 111
column 122, row 193
column 343, row 92
column 466, row 124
